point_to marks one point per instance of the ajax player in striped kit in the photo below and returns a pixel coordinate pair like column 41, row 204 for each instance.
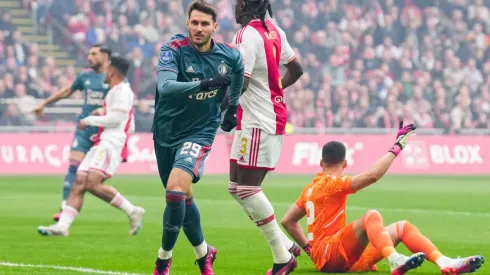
column 115, row 122
column 262, row 117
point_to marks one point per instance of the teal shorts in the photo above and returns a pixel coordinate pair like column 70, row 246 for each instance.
column 81, row 141
column 188, row 156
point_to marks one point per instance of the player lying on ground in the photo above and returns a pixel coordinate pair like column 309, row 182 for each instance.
column 194, row 72
column 358, row 246
column 262, row 117
column 103, row 159
column 91, row 83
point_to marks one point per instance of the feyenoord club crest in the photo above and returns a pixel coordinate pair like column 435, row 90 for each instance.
column 222, row 69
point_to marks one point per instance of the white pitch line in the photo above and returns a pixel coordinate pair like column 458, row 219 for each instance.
column 70, row 268
column 424, row 211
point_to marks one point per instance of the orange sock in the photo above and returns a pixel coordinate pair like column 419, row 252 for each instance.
column 377, row 234
column 416, row 242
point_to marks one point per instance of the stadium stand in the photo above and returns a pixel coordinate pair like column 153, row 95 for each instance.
column 368, row 64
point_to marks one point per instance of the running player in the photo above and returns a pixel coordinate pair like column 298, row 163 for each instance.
column 262, row 117
column 358, row 246
column 194, row 72
column 103, row 159
column 91, row 83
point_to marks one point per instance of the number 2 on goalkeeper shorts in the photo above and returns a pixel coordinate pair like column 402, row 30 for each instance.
column 310, row 217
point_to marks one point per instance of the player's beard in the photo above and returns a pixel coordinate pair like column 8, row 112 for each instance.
column 96, row 66
column 205, row 40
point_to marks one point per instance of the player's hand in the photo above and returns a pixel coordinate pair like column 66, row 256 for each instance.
column 97, row 112
column 94, row 137
column 307, row 250
column 83, row 125
column 39, row 110
column 402, row 138
column 229, row 120
column 219, row 81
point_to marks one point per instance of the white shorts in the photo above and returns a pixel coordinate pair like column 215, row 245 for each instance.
column 254, row 149
column 102, row 158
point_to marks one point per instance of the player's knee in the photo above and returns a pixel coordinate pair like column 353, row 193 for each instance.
column 93, row 180
column 179, row 181
column 371, row 214
column 402, row 227
column 80, row 182
column 76, row 156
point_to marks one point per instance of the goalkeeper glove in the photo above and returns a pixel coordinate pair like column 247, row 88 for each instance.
column 229, row 120
column 402, row 138
column 218, row 82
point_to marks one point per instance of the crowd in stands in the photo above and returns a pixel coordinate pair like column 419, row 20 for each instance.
column 368, row 63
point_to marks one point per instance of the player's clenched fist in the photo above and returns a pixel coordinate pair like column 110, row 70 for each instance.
column 402, row 137
column 229, row 120
column 219, row 81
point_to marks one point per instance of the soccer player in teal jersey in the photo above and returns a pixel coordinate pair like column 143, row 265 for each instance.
column 91, row 83
column 193, row 75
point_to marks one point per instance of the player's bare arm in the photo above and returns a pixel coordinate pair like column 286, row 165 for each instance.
column 97, row 112
column 290, row 222
column 293, row 73
column 61, row 94
column 378, row 169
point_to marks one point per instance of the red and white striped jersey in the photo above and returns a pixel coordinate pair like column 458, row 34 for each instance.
column 262, row 105
column 118, row 107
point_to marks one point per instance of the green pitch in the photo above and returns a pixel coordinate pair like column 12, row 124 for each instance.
column 453, row 211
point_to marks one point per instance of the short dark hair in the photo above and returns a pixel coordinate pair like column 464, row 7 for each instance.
column 204, row 7
column 120, row 64
column 103, row 48
column 333, row 153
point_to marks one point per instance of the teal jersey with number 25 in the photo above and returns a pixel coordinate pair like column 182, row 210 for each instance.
column 183, row 112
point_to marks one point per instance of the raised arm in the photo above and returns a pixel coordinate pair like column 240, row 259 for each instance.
column 379, row 168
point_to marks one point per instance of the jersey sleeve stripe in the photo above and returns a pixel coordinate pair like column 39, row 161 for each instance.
column 167, row 69
column 240, row 35
column 291, row 58
column 179, row 43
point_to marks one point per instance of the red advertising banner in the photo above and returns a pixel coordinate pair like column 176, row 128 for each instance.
column 48, row 153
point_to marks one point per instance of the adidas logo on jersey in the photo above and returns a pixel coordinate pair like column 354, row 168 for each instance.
column 241, row 159
column 190, row 70
column 189, row 160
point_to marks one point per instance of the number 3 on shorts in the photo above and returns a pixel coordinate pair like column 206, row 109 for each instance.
column 191, row 149
column 243, row 146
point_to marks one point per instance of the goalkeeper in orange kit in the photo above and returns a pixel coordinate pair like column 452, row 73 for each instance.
column 335, row 246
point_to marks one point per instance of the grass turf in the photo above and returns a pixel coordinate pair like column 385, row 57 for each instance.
column 453, row 211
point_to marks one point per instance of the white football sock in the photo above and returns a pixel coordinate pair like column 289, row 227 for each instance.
column 68, row 215
column 233, row 190
column 260, row 209
column 119, row 201
column 201, row 250
column 63, row 203
column 164, row 255
column 444, row 261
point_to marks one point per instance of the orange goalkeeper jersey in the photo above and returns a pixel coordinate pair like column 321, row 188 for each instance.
column 324, row 201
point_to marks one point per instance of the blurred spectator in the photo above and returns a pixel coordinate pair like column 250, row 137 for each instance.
column 367, row 63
